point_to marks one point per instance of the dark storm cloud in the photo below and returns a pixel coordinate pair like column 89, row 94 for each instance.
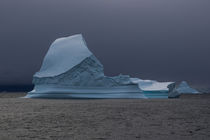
column 149, row 39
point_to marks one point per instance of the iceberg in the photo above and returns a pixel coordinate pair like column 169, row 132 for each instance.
column 182, row 88
column 70, row 70
column 185, row 88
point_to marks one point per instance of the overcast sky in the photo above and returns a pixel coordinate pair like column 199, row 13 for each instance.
column 166, row 40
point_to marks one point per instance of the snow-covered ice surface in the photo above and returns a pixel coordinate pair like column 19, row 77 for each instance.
column 70, row 70
column 151, row 85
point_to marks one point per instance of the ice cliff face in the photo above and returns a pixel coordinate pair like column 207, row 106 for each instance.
column 88, row 73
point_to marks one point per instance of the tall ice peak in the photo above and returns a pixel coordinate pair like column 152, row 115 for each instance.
column 63, row 54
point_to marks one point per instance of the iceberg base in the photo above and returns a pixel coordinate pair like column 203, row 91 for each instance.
column 120, row 92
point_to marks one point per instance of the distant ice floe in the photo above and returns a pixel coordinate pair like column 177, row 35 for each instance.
column 70, row 70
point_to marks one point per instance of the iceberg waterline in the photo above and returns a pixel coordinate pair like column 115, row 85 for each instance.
column 70, row 70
